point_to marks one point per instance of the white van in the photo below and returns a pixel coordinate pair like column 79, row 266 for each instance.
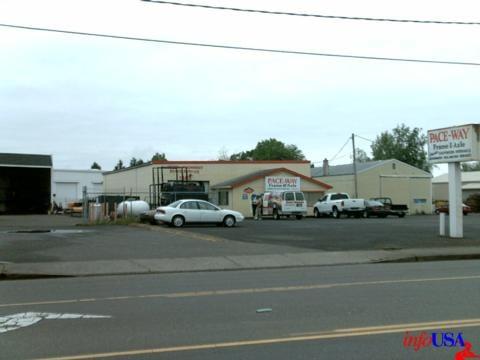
column 284, row 203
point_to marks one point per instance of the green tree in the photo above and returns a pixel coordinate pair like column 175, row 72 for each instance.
column 471, row 166
column 404, row 144
column 159, row 157
column 135, row 162
column 270, row 149
column 119, row 165
column 361, row 156
column 95, row 166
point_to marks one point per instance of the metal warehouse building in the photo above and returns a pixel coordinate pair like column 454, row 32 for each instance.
column 470, row 185
column 404, row 183
column 25, row 183
column 229, row 184
column 67, row 184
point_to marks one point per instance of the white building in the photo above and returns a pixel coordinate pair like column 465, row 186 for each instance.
column 470, row 185
column 67, row 184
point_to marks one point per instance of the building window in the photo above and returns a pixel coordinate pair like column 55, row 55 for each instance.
column 223, row 198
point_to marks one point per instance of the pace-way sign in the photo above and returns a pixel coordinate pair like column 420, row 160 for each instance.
column 454, row 144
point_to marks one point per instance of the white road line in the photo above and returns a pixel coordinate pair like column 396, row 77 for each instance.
column 21, row 320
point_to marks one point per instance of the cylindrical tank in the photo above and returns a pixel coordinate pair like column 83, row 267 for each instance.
column 132, row 208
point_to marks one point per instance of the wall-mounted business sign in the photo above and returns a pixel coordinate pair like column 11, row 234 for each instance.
column 454, row 144
column 282, row 183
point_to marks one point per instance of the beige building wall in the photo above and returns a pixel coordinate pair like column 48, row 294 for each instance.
column 239, row 202
column 341, row 183
column 135, row 181
column 245, row 205
column 139, row 178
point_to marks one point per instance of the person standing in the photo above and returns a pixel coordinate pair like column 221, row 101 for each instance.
column 259, row 210
column 254, row 205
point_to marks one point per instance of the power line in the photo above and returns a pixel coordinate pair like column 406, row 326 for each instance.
column 269, row 12
column 372, row 141
column 231, row 47
column 343, row 147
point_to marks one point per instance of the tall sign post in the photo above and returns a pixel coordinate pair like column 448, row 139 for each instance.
column 454, row 145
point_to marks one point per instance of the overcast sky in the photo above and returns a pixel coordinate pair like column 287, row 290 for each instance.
column 85, row 99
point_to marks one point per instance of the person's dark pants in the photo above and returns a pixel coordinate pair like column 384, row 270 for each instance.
column 254, row 209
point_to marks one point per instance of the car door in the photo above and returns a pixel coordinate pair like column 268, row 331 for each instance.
column 322, row 205
column 209, row 213
column 191, row 211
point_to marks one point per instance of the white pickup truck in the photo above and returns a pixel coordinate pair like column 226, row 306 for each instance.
column 337, row 204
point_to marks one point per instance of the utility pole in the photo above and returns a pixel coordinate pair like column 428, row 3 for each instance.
column 355, row 167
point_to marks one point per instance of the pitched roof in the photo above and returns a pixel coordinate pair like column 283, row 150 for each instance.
column 467, row 176
column 25, row 160
column 244, row 179
column 347, row 169
column 220, row 162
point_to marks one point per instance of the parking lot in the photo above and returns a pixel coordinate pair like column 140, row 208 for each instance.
column 92, row 243
column 347, row 234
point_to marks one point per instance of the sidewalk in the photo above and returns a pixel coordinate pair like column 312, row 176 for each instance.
column 224, row 263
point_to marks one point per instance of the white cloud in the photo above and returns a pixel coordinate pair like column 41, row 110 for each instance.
column 87, row 99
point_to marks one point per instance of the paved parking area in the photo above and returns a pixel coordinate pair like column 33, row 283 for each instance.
column 348, row 234
column 92, row 243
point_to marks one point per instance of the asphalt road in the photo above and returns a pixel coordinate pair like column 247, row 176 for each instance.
column 343, row 312
column 248, row 238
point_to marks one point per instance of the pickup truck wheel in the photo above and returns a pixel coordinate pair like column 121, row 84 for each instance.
column 276, row 216
column 316, row 213
column 299, row 217
column 335, row 213
column 365, row 214
column 401, row 215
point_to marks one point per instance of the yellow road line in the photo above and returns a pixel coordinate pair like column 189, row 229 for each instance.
column 242, row 291
column 335, row 334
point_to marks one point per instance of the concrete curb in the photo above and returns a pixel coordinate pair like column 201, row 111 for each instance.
column 230, row 263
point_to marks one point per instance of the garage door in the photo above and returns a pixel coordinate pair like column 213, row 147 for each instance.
column 66, row 192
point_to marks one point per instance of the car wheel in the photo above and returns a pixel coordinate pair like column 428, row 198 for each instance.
column 178, row 221
column 335, row 213
column 229, row 221
column 276, row 216
column 316, row 213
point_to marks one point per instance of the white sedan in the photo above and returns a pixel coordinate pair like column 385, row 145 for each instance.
column 185, row 211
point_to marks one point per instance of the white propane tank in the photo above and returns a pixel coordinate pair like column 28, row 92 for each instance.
column 132, row 208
